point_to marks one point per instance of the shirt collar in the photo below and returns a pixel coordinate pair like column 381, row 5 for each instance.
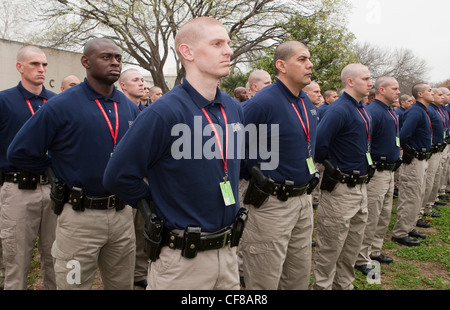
column 382, row 104
column 198, row 99
column 352, row 100
column 92, row 94
column 27, row 95
column 288, row 93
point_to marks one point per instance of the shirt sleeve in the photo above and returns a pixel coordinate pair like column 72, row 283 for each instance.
column 145, row 142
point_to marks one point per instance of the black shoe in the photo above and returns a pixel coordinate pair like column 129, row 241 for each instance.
column 241, row 280
column 315, row 205
column 383, row 259
column 313, row 244
column 142, row 284
column 443, row 197
column 365, row 269
column 440, row 203
column 395, row 193
column 436, row 208
column 408, row 241
column 423, row 224
column 414, row 233
column 434, row 214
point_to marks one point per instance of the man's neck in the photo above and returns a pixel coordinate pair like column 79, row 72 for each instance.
column 294, row 88
column 205, row 87
column 103, row 89
column 32, row 88
column 354, row 95
column 383, row 101
column 425, row 103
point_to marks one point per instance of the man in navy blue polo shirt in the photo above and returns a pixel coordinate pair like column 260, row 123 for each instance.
column 25, row 206
column 80, row 129
column 415, row 139
column 343, row 146
column 276, row 244
column 434, row 170
column 385, row 153
column 187, row 163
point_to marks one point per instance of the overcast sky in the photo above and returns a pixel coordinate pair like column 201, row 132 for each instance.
column 419, row 25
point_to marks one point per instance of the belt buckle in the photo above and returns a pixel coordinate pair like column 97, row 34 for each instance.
column 43, row 179
column 111, row 201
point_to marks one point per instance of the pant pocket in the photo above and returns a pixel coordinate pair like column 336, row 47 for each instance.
column 8, row 239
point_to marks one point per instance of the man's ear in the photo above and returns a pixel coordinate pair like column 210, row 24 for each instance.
column 186, row 52
column 19, row 67
column 281, row 66
column 85, row 61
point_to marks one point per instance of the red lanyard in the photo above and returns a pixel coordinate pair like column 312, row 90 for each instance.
column 31, row 108
column 367, row 125
column 113, row 135
column 216, row 134
column 442, row 117
column 305, row 129
column 431, row 127
column 395, row 117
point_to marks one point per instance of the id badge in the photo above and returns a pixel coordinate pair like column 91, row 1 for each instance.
column 397, row 141
column 227, row 193
column 369, row 159
column 310, row 163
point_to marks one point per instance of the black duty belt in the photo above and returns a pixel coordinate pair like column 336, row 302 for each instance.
column 385, row 166
column 287, row 190
column 213, row 241
column 96, row 203
column 351, row 178
column 423, row 155
column 14, row 177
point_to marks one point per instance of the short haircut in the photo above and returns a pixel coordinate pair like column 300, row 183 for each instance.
column 351, row 71
column 24, row 50
column 419, row 87
column 404, row 98
column 329, row 93
column 125, row 74
column 284, row 51
column 383, row 81
column 190, row 32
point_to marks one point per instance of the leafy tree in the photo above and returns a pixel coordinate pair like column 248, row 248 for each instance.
column 145, row 29
column 328, row 40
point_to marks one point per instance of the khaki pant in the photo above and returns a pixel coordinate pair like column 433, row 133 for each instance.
column 432, row 181
column 341, row 220
column 410, row 195
column 91, row 240
column 444, row 173
column 209, row 270
column 380, row 191
column 141, row 266
column 276, row 244
column 25, row 215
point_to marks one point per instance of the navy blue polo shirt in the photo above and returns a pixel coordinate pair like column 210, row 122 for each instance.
column 416, row 128
column 400, row 113
column 273, row 106
column 437, row 123
column 74, row 130
column 385, row 130
column 179, row 157
column 14, row 112
column 322, row 109
column 443, row 112
column 342, row 135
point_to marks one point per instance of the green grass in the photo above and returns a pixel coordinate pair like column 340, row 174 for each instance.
column 424, row 267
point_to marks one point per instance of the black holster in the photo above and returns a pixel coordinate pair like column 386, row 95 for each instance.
column 153, row 229
column 258, row 189
column 58, row 193
column 408, row 154
column 238, row 227
column 330, row 177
